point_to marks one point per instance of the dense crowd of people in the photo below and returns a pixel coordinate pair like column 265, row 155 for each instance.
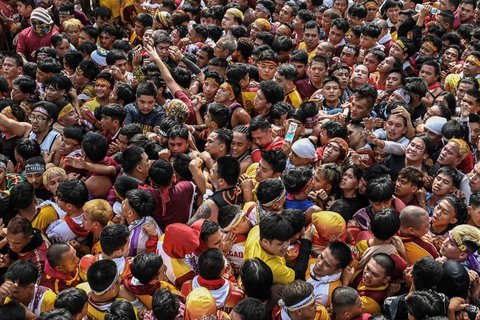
column 244, row 160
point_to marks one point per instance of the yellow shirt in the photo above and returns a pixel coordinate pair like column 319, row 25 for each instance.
column 48, row 298
column 294, row 98
column 452, row 81
column 91, row 104
column 302, row 46
column 281, row 273
column 44, row 218
column 113, row 5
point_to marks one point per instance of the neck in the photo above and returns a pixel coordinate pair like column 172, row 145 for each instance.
column 470, row 222
column 114, row 130
column 377, row 242
column 317, row 85
column 438, row 229
column 75, row 213
column 43, row 134
column 349, row 193
column 382, row 79
column 102, row 101
column 101, row 298
column 27, row 213
column 417, row 164
column 406, row 198
column 300, row 196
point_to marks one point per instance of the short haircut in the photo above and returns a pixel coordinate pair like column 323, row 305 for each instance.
column 269, row 189
column 210, row 264
column 165, row 304
column 386, row 262
column 295, row 179
column 22, row 195
column 95, row 146
column 272, row 91
column 344, row 296
column 380, row 190
column 101, row 274
column 146, row 89
column 22, row 272
column 259, row 123
column 55, row 252
column 413, row 175
column 141, row 202
column 341, row 252
column 452, row 173
column 25, row 84
column 219, row 114
column 275, row 227
column 113, row 237
column 98, row 210
column 228, row 169
column 27, row 148
column 367, row 91
column 20, row 225
column 426, row 272
column 161, row 172
column 115, row 111
column 296, row 291
column 288, row 71
column 250, row 309
column 257, row 279
column 474, row 200
column 385, row 224
column 73, row 192
column 145, row 267
column 71, row 299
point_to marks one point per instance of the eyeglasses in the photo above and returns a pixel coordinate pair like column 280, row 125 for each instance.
column 33, row 117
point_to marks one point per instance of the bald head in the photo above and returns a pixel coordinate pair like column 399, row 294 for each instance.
column 412, row 216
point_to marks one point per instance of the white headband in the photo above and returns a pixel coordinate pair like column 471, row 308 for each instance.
column 305, row 302
column 99, row 293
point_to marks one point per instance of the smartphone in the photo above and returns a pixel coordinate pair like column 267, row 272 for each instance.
column 291, row 131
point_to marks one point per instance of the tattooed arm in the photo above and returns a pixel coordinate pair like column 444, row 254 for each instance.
column 207, row 210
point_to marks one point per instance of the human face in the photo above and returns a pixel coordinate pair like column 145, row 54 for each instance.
column 228, row 21
column 68, row 145
column 62, row 47
column 107, row 122
column 214, row 146
column 443, row 215
column 260, row 103
column 53, row 182
column 254, row 31
column 367, row 42
column 450, row 55
column 266, row 69
column 106, row 40
column 84, row 37
column 23, row 10
column 239, row 145
column 262, row 137
column 474, row 216
column 35, row 179
column 10, row 68
column 296, row 160
column 40, row 122
column 403, row 187
column 202, row 59
column 395, row 127
column 428, row 73
column 210, row 88
column 379, row 155
column 264, row 171
column 349, row 181
column 223, row 94
column 449, row 156
column 73, row 34
column 122, row 65
column 53, row 95
column 394, row 80
column 360, row 75
column 354, row 136
column 474, row 178
column 331, row 92
column 177, row 145
column 162, row 50
column 470, row 68
column 450, row 250
column 335, row 35
column 374, row 275
column 469, row 103
column 442, row 185
column 16, row 242
column 285, row 14
column 359, row 109
column 396, row 52
column 340, row 5
column 17, row 95
column 103, row 90
column 370, row 62
column 331, row 152
column 426, row 50
column 215, row 239
column 311, row 37
column 343, row 76
column 474, row 132
column 301, row 68
column 348, row 56
column 386, row 65
column 416, row 150
column 393, row 14
column 326, row 264
column 69, row 261
column 275, row 247
column 145, row 104
column 379, row 206
column 317, row 71
column 466, row 11
column 461, row 89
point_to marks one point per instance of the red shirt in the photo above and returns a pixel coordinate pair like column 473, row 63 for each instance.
column 29, row 42
column 277, row 143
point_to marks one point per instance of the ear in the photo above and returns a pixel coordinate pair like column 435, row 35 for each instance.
column 387, row 280
column 469, row 210
column 415, row 189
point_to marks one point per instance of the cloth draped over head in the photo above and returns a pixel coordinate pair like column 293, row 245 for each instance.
column 329, row 226
column 180, row 240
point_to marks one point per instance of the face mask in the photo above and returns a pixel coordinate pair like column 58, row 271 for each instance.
column 41, row 29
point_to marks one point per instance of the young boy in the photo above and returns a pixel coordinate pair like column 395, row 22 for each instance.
column 61, row 269
column 347, row 305
column 71, row 196
column 446, row 181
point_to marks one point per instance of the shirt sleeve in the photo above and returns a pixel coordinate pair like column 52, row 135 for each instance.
column 128, row 118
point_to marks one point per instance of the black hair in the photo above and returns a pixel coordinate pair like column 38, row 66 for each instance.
column 228, row 169
column 282, row 43
column 55, row 314
column 22, row 195
column 130, row 130
column 165, row 304
column 130, row 158
column 181, row 166
column 121, row 310
column 101, row 274
column 89, row 69
column 455, row 281
column 340, row 24
column 59, row 82
column 72, row 58
column 178, row 131
column 115, row 111
column 386, row 262
column 427, row 273
column 341, row 252
column 259, row 122
column 357, row 10
column 146, row 89
column 113, row 237
column 219, row 114
column 296, row 218
column 73, row 192
column 423, row 304
column 141, row 202
column 25, row 84
column 269, row 190
column 275, row 227
column 161, row 172
column 95, row 146
column 367, row 91
column 12, row 310
column 211, row 264
column 208, row 228
column 305, row 15
column 145, row 267
column 75, row 132
column 460, row 208
column 273, row 91
column 257, row 279
column 23, row 272
column 115, row 55
column 380, row 189
column 250, row 309
column 344, row 296
column 71, row 299
column 385, row 224
column 299, row 56
column 343, row 208
column 295, row 179
column 335, row 129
